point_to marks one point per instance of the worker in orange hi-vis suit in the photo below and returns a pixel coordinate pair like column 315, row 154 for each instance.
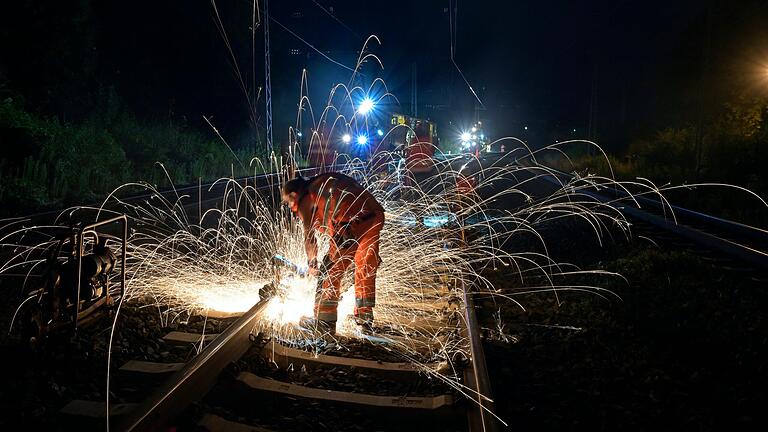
column 337, row 205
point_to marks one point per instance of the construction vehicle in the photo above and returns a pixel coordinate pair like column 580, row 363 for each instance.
column 415, row 141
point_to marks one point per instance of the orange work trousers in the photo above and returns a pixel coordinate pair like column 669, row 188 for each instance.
column 363, row 249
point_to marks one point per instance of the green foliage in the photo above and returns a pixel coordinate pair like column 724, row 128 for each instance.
column 49, row 163
column 613, row 166
column 744, row 117
column 668, row 156
column 734, row 150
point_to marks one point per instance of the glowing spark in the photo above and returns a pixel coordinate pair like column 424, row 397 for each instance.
column 432, row 242
column 297, row 299
column 227, row 299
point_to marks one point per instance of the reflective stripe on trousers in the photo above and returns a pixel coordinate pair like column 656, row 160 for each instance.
column 365, row 253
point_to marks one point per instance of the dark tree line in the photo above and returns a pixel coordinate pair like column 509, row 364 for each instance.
column 73, row 126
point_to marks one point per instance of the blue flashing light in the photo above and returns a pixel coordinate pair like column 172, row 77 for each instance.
column 365, row 106
column 379, row 132
column 362, row 139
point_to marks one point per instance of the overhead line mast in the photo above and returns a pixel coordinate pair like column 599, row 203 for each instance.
column 267, row 79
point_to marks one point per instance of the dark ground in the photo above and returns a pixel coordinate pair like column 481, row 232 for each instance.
column 36, row 385
column 684, row 349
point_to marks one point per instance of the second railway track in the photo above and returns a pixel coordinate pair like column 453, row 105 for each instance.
column 735, row 246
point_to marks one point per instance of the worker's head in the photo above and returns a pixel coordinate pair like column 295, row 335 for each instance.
column 293, row 190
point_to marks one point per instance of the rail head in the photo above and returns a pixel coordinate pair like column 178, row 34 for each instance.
column 482, row 417
column 193, row 381
column 748, row 252
column 737, row 228
column 180, row 190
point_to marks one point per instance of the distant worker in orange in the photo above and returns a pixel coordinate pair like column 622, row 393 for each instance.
column 338, row 206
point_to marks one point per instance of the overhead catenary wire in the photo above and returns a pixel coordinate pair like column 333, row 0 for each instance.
column 235, row 65
column 335, row 18
column 272, row 18
column 452, row 22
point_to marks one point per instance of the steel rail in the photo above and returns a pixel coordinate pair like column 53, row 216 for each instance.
column 683, row 214
column 481, row 415
column 742, row 252
column 755, row 235
column 195, row 379
column 733, row 249
column 177, row 190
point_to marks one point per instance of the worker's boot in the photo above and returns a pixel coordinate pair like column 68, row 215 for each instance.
column 365, row 321
column 317, row 326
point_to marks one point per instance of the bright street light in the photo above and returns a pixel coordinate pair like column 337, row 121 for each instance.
column 365, row 106
column 346, row 138
column 362, row 139
column 465, row 136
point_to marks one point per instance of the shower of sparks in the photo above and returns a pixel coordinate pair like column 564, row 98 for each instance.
column 438, row 237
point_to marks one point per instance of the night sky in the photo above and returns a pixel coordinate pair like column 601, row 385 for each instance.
column 631, row 67
column 95, row 94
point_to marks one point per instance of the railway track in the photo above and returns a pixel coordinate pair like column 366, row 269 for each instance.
column 242, row 380
column 399, row 392
column 202, row 195
column 734, row 246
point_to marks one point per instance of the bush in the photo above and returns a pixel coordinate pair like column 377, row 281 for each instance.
column 49, row 163
column 734, row 151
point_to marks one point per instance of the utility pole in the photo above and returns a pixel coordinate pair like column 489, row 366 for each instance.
column 414, row 91
column 267, row 79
